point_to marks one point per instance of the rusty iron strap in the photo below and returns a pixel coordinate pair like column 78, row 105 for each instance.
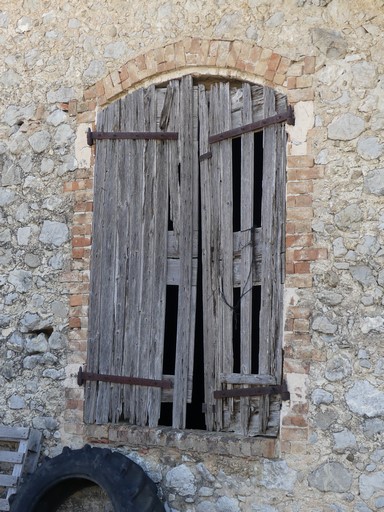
column 287, row 115
column 254, row 391
column 92, row 136
column 83, row 376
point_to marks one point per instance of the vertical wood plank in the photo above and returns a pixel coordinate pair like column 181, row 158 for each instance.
column 186, row 245
column 246, row 214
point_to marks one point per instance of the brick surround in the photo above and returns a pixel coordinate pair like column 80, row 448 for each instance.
column 234, row 59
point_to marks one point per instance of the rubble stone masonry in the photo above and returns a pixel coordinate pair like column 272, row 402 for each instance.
column 62, row 62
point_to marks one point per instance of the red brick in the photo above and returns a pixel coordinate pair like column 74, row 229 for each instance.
column 299, row 213
column 303, row 267
column 298, row 312
column 80, row 241
column 291, row 82
column 300, row 161
column 299, row 187
column 294, row 366
column 295, row 421
column 302, row 240
column 294, row 434
column 310, row 254
column 74, row 323
column 309, row 64
column 299, row 281
column 300, row 325
column 296, row 95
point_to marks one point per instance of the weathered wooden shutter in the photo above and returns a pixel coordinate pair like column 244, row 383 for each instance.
column 134, row 256
column 249, row 257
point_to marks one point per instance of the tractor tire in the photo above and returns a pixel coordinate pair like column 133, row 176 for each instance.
column 128, row 488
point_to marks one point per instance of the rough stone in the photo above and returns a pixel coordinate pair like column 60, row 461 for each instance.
column 21, row 280
column 344, row 440
column 57, row 341
column 182, row 480
column 331, row 477
column 363, row 275
column 23, row 235
column 374, row 182
column 370, row 148
column 369, row 485
column 349, row 215
column 16, row 402
column 346, row 127
column 365, row 399
column 369, row 324
column 323, row 325
column 37, row 344
column 39, row 141
column 321, row 396
column 338, row 368
column 277, row 474
column 54, row 233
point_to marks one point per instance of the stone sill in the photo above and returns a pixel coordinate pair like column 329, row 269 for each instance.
column 199, row 441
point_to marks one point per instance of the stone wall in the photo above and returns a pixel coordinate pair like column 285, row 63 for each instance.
column 63, row 62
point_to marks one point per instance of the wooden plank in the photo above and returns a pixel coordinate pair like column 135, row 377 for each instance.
column 238, row 378
column 159, row 263
column 174, row 271
column 4, row 505
column 8, row 480
column 185, row 302
column 209, row 295
column 91, row 388
column 173, row 157
column 269, row 241
column 13, row 457
column 14, row 433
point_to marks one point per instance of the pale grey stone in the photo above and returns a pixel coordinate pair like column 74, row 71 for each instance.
column 59, row 309
column 379, row 367
column 368, row 324
column 47, row 166
column 94, row 72
column 69, row 164
column 369, row 246
column 330, row 477
column 45, row 422
column 54, row 233
column 380, row 278
column 11, row 175
column 374, row 182
column 37, row 344
column 225, row 504
column 57, row 117
column 346, row 127
column 32, row 260
column 22, row 212
column 64, row 94
column 227, row 23
column 49, row 358
column 378, row 455
column 203, row 506
column 278, row 475
column 74, row 23
column 30, row 362
column 10, row 298
column 5, row 257
column 262, row 508
column 52, row 373
column 322, row 157
column 10, row 78
column 16, row 342
column 3, row 19
column 362, row 507
column 371, row 484
column 115, row 50
column 205, row 473
column 364, row 75
column 338, row 368
column 339, row 248
column 64, row 134
column 252, row 33
column 182, row 480
column 330, row 298
column 18, row 143
column 16, row 402
column 365, row 399
column 26, row 163
column 363, row 275
column 37, row 300
column 23, row 235
column 205, row 492
column 330, row 42
column 370, row 148
column 21, row 280
column 373, row 426
column 320, row 396
column 344, row 440
column 32, row 322
column 379, row 502
column 6, row 196
column 57, row 261
column 33, row 183
column 276, row 19
column 15, row 115
column 4, row 320
column 323, row 325
column 57, row 341
column 24, row 24
column 5, row 236
column 347, row 216
column 39, row 141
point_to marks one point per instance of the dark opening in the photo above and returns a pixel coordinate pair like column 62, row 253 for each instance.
column 236, row 183
column 236, row 330
column 170, row 336
column 258, row 179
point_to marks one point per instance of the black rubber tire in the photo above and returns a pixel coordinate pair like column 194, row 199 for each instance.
column 127, row 486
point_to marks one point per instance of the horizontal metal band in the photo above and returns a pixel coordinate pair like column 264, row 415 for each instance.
column 287, row 115
column 83, row 376
column 91, row 136
column 254, row 391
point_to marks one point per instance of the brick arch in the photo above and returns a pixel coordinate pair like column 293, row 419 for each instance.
column 242, row 60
